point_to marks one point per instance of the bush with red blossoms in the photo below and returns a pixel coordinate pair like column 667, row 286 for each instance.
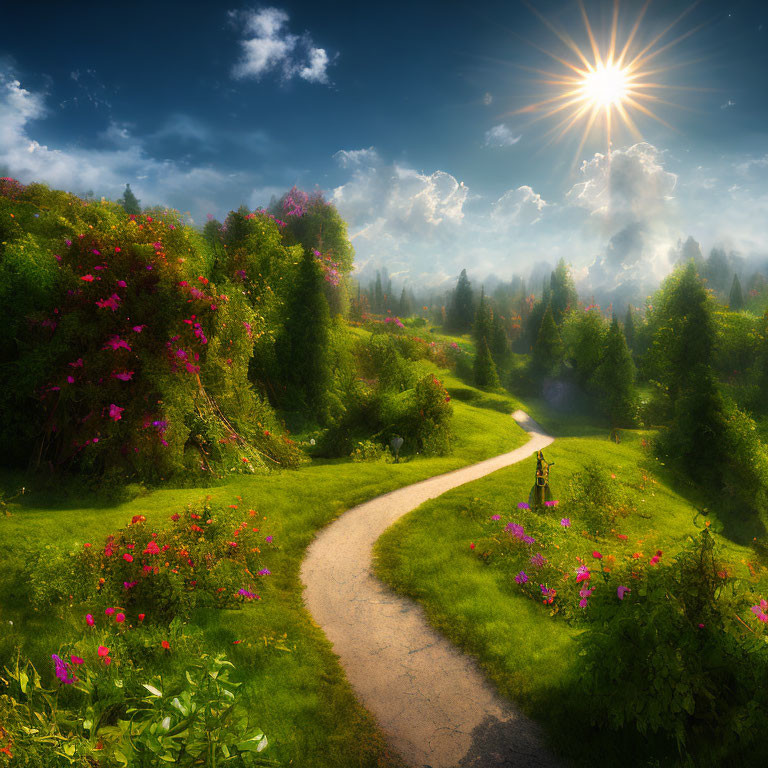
column 204, row 556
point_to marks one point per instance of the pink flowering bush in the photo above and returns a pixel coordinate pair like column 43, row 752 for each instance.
column 122, row 354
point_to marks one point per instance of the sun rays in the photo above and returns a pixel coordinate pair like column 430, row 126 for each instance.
column 607, row 84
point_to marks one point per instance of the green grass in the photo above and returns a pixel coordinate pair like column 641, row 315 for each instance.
column 528, row 655
column 299, row 696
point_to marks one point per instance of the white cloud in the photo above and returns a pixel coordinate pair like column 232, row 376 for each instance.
column 501, row 136
column 728, row 104
column 197, row 189
column 518, row 206
column 352, row 158
column 488, row 99
column 268, row 47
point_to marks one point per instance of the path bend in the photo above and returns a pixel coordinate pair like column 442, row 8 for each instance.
column 432, row 702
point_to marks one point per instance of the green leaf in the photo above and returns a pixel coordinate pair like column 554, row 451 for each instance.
column 23, row 680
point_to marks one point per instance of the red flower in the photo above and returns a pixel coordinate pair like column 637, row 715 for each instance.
column 128, row 558
column 166, row 645
column 120, row 618
column 141, row 617
column 472, row 546
column 597, row 555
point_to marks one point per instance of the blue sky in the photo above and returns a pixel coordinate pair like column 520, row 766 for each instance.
column 405, row 114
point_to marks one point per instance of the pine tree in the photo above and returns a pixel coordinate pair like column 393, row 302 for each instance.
column 303, row 346
column 686, row 340
column 736, row 299
column 616, row 378
column 716, row 271
column 404, row 310
column 548, row 350
column 129, row 201
column 461, row 307
column 485, row 372
column 499, row 341
column 378, row 296
column 563, row 293
column 629, row 328
column 482, row 328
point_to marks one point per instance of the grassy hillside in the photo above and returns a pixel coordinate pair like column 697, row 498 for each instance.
column 299, row 695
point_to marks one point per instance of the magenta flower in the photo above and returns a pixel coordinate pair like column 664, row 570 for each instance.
column 521, row 577
column 551, row 503
column 566, row 522
column 123, row 375
column 621, row 591
column 115, row 412
column 523, row 505
column 264, row 572
column 496, row 517
column 109, row 611
column 138, row 328
column 89, row 620
column 538, row 560
column 115, row 342
column 268, row 539
column 62, row 670
column 582, row 573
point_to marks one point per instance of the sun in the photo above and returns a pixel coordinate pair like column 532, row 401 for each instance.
column 607, row 84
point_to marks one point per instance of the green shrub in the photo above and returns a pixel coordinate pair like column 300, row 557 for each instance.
column 671, row 659
column 367, row 450
column 595, row 499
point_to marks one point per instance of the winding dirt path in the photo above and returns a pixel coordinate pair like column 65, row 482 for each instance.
column 432, row 702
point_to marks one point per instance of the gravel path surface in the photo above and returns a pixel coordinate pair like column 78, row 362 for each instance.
column 432, row 702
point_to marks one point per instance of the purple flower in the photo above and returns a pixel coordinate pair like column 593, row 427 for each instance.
column 268, row 539
column 521, row 578
column 496, row 517
column 566, row 522
column 515, row 529
column 529, row 539
column 264, row 572
column 523, row 505
column 621, row 591
column 243, row 592
column 538, row 560
column 62, row 670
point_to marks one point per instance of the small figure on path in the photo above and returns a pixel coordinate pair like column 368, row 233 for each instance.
column 540, row 491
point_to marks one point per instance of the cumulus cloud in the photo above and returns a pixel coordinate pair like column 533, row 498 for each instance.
column 268, row 46
column 518, row 206
column 629, row 197
column 501, row 136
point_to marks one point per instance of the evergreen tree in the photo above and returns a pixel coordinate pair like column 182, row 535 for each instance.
column 583, row 335
column 498, row 342
column 303, row 346
column 533, row 324
column 406, row 304
column 629, row 328
column 616, row 378
column 485, row 372
column 717, row 271
column 461, row 308
column 683, row 351
column 563, row 294
column 378, row 295
column 482, row 328
column 129, row 201
column 736, row 299
column 548, row 350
